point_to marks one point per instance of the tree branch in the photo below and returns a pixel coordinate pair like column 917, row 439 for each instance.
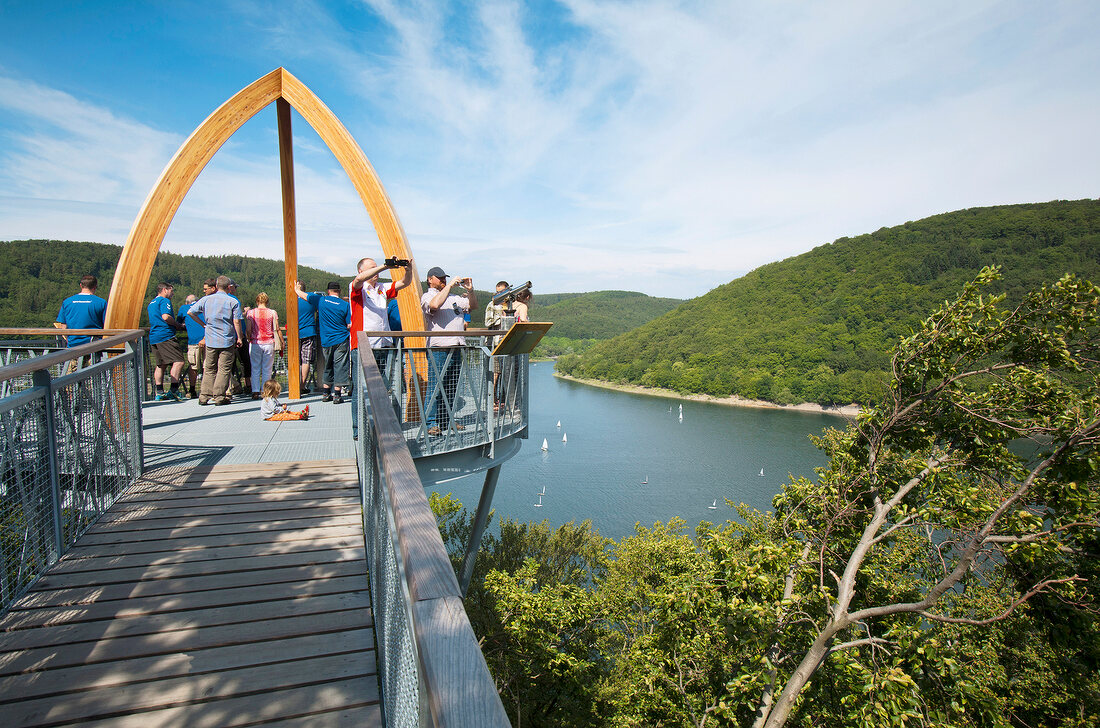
column 1042, row 586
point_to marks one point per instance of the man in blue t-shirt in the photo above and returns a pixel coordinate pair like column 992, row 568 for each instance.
column 334, row 322
column 167, row 351
column 196, row 334
column 309, row 342
column 85, row 310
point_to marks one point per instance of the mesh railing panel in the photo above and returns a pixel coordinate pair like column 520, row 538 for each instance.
column 28, row 536
column 71, row 445
column 397, row 664
column 457, row 397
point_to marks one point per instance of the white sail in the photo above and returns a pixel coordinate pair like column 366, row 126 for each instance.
column 761, row 472
column 545, row 444
column 559, row 424
column 681, row 417
column 564, row 438
column 713, row 505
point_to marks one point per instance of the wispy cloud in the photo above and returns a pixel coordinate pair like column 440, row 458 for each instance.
column 659, row 145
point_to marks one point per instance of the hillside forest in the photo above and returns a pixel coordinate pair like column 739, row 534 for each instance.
column 36, row 275
column 818, row 327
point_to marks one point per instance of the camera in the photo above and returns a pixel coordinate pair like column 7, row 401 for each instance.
column 394, row 262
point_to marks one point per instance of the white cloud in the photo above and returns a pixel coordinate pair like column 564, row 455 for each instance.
column 659, row 146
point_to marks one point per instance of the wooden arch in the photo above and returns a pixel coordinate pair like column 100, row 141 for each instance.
column 136, row 262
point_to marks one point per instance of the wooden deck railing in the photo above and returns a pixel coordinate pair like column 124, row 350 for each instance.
column 418, row 606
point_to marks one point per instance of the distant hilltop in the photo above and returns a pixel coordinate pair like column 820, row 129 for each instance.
column 819, row 327
column 36, row 275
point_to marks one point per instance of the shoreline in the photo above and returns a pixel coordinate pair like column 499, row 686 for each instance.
column 847, row 411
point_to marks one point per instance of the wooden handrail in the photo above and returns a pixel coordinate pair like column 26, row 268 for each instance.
column 460, row 689
column 116, row 339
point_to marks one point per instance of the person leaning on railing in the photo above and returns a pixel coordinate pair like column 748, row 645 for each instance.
column 369, row 312
column 443, row 311
column 85, row 310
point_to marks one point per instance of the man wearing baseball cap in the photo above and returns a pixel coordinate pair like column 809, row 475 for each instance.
column 444, row 311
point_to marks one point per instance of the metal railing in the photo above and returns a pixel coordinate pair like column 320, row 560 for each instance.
column 458, row 397
column 430, row 665
column 70, row 444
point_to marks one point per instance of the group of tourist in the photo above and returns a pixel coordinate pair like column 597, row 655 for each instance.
column 218, row 326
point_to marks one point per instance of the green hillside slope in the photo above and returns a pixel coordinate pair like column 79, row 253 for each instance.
column 600, row 314
column 36, row 275
column 817, row 327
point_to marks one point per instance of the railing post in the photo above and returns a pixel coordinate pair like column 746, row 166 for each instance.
column 42, row 379
column 138, row 373
column 480, row 519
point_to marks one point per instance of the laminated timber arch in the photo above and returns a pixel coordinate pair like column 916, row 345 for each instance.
column 136, row 262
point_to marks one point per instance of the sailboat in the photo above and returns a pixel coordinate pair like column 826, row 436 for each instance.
column 564, row 438
column 670, row 409
column 761, row 472
column 713, row 506
column 539, row 504
column 545, row 445
column 559, row 424
column 543, row 491
column 681, row 409
column 681, row 417
column 645, row 480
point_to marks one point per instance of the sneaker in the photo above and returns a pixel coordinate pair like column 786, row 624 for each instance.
column 203, row 402
column 337, row 399
column 176, row 395
column 222, row 400
column 326, row 398
column 304, row 390
column 305, row 412
column 193, row 395
column 433, row 430
column 162, row 396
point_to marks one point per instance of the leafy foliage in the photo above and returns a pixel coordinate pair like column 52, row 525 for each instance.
column 818, row 327
column 940, row 571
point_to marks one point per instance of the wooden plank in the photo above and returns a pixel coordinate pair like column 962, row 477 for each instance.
column 301, row 467
column 196, row 662
column 367, row 716
column 102, row 543
column 312, row 704
column 461, row 690
column 184, row 587
column 192, row 689
column 110, row 628
column 92, row 559
column 219, row 497
column 95, row 536
column 149, row 517
column 19, row 618
column 123, row 648
column 206, row 567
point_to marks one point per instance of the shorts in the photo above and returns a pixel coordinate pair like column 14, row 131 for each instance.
column 195, row 355
column 167, row 353
column 308, row 348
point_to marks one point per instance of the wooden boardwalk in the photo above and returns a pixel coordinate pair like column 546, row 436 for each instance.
column 218, row 596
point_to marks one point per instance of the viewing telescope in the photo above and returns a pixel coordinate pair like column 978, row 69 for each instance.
column 509, row 294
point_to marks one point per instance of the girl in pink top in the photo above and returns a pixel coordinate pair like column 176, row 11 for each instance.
column 263, row 332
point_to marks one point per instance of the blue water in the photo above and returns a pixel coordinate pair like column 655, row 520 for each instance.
column 618, row 440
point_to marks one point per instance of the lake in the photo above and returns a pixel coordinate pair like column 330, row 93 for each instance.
column 629, row 459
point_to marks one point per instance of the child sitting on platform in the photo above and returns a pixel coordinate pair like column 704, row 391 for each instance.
column 271, row 409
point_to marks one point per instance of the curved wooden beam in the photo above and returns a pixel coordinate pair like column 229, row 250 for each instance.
column 131, row 277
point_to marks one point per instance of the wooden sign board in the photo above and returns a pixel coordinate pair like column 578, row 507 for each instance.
column 522, row 338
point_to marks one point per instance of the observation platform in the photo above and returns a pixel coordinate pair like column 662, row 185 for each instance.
column 197, row 565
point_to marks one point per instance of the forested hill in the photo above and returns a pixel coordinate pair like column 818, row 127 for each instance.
column 818, row 327
column 598, row 315
column 37, row 275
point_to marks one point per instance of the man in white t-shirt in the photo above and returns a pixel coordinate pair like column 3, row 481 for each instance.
column 444, row 311
column 368, row 313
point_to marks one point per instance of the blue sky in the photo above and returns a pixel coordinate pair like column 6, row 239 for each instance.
column 665, row 147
